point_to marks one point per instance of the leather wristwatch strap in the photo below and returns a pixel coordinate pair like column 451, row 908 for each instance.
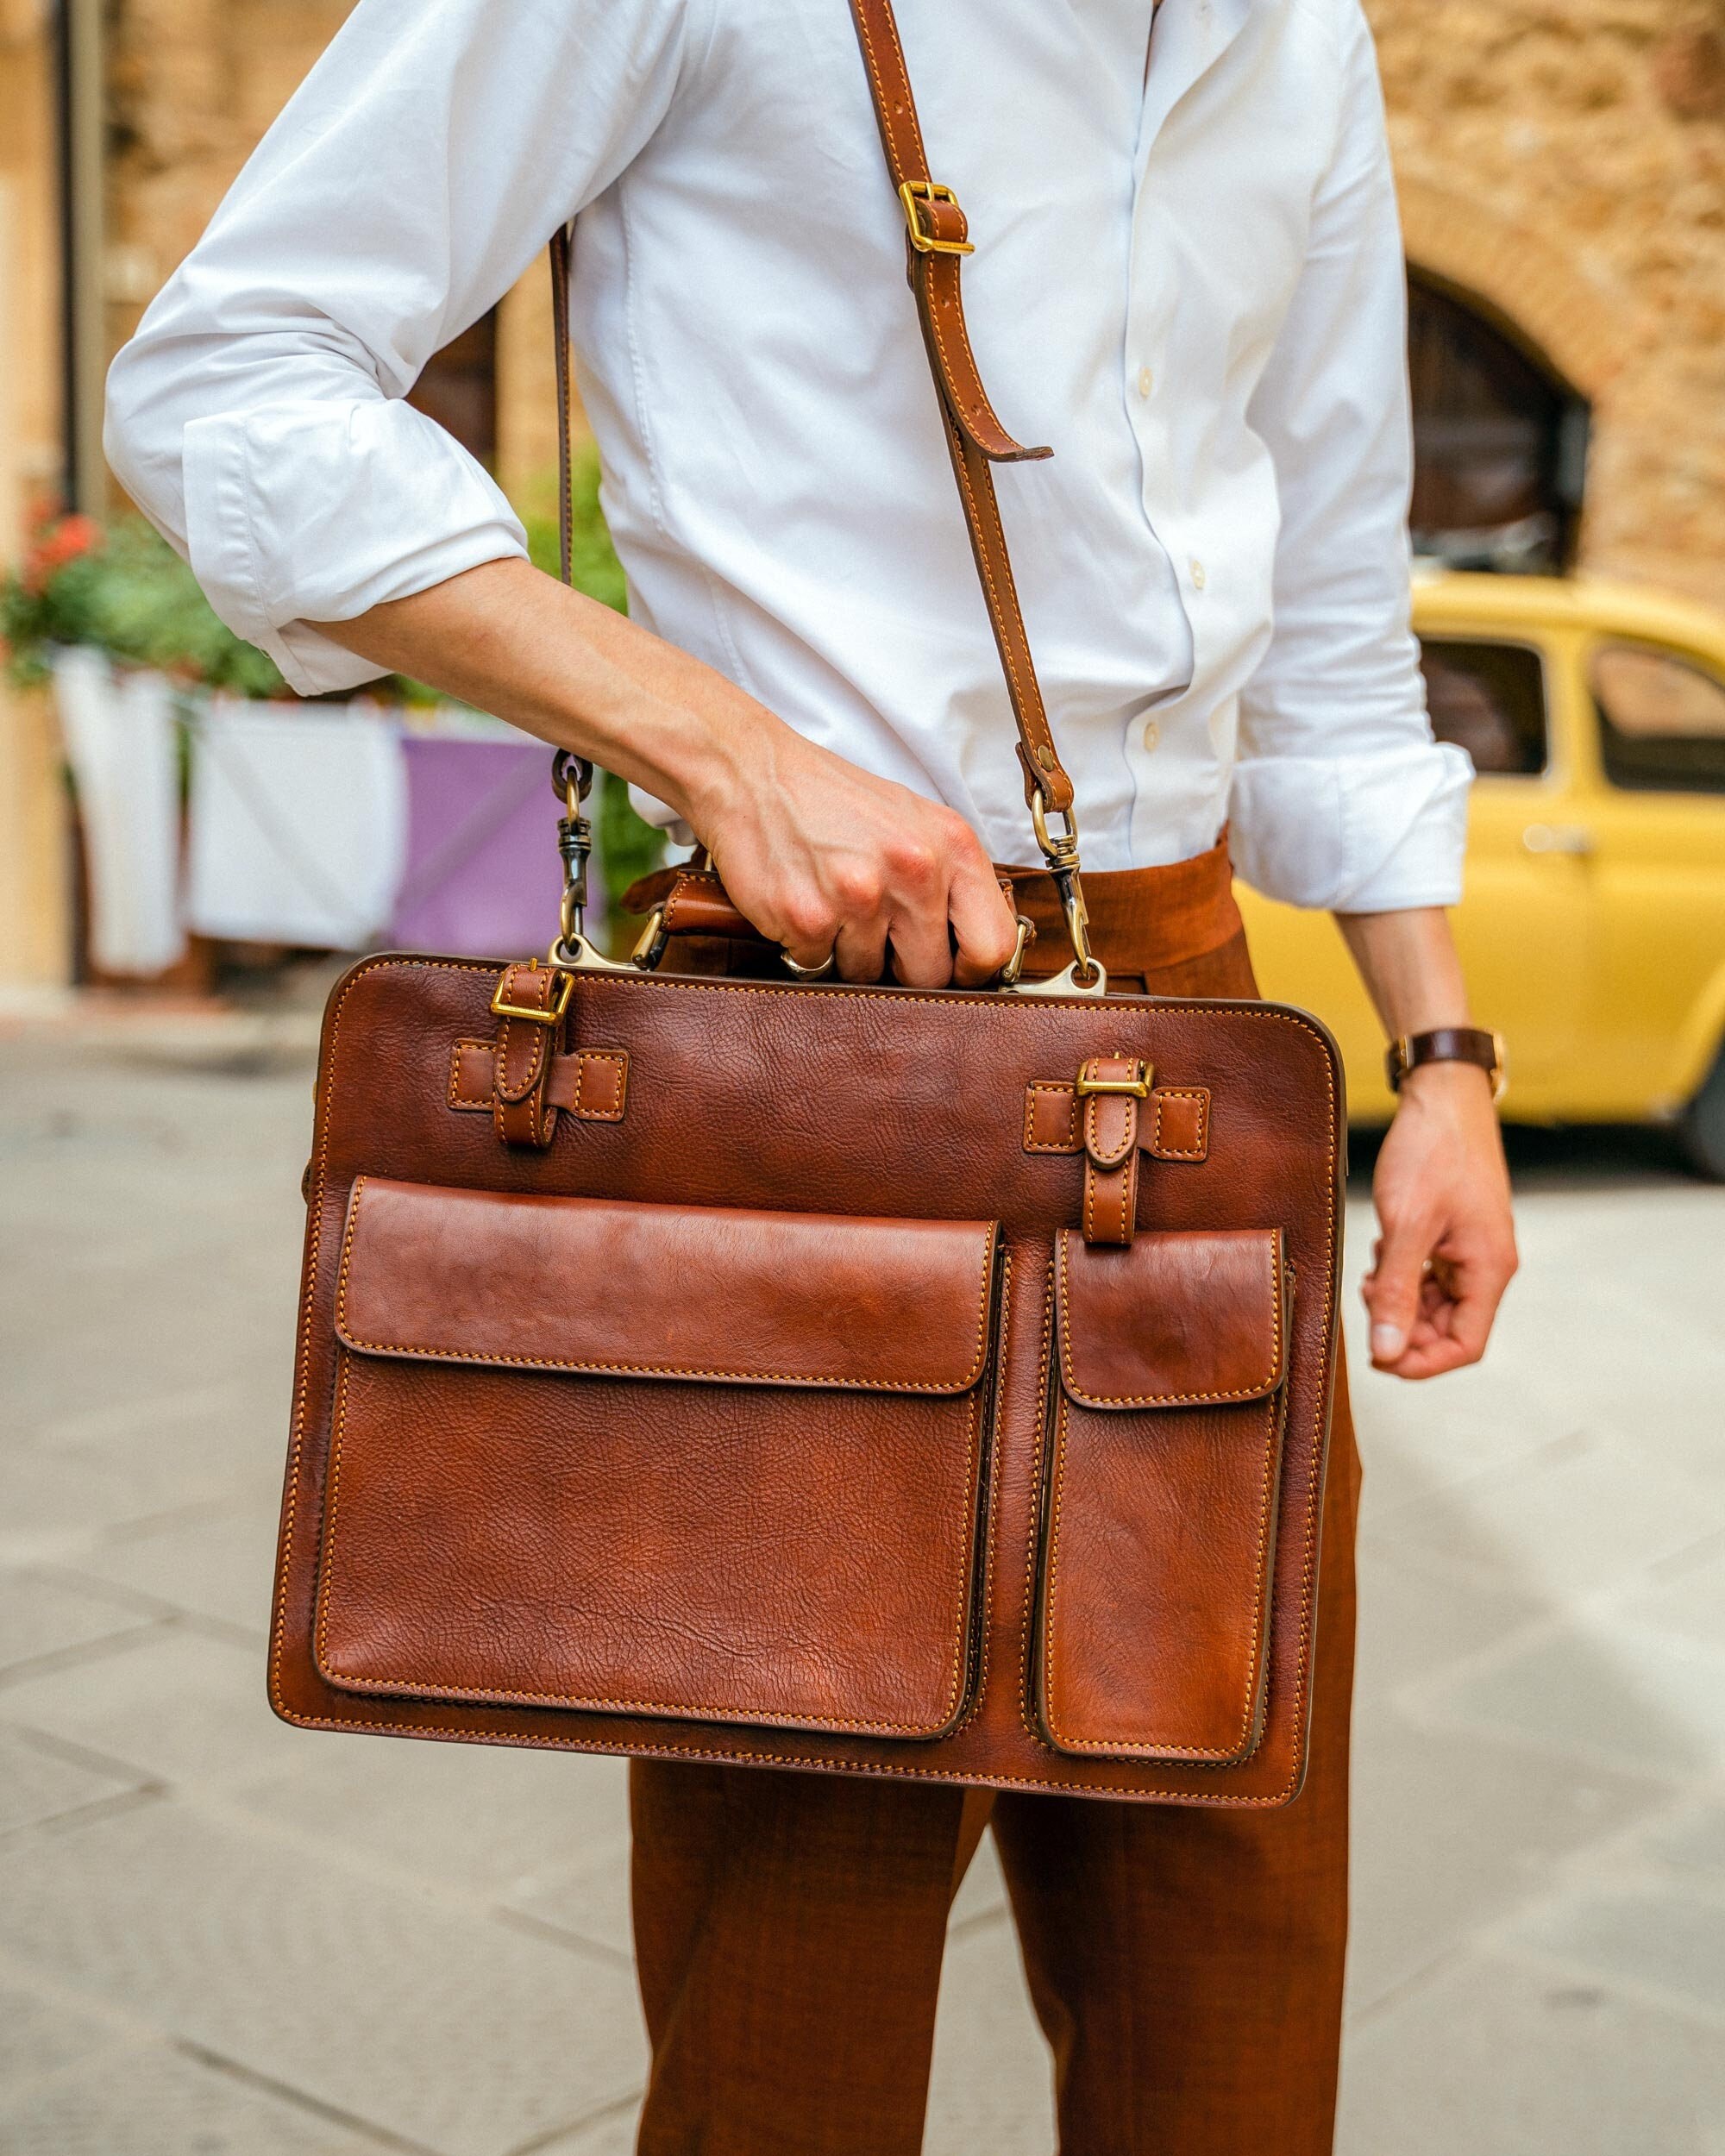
column 1448, row 1044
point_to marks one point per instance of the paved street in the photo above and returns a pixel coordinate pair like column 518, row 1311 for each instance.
column 220, row 1936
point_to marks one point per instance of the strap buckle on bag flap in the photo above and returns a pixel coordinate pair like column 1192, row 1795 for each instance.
column 1139, row 1088
column 924, row 201
column 549, row 1013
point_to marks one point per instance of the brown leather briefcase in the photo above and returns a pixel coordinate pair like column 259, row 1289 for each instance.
column 867, row 1379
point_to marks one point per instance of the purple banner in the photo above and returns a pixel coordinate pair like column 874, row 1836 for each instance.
column 483, row 877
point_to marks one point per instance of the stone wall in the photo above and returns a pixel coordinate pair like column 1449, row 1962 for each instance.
column 192, row 85
column 30, row 374
column 1562, row 161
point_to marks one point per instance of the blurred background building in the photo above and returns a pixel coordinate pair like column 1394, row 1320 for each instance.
column 1562, row 170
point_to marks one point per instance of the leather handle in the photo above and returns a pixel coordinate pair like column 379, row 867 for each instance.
column 693, row 902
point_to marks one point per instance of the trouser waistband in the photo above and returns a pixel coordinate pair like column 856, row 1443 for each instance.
column 1141, row 920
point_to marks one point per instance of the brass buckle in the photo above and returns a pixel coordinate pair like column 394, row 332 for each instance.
column 1139, row 1088
column 549, row 1016
column 912, row 194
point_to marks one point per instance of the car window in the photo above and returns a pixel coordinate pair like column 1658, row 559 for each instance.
column 1489, row 699
column 1661, row 720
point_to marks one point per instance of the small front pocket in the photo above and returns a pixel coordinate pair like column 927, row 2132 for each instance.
column 658, row 1460
column 1159, row 1527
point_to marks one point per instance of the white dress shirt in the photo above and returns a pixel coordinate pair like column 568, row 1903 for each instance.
column 1187, row 280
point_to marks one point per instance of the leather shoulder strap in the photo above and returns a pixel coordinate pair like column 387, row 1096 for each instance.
column 937, row 239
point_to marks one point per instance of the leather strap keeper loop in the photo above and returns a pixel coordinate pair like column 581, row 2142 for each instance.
column 1110, row 1088
column 534, row 998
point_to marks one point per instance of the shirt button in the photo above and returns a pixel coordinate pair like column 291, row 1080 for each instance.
column 1153, row 733
column 1146, row 381
column 1198, row 578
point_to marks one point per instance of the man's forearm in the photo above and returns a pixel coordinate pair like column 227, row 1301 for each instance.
column 825, row 859
column 1408, row 962
column 514, row 642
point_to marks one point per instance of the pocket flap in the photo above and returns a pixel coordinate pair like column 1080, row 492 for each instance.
column 731, row 1297
column 1173, row 1320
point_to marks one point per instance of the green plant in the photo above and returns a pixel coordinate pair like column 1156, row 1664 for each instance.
column 123, row 589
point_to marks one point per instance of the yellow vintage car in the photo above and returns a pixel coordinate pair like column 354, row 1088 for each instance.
column 1592, row 926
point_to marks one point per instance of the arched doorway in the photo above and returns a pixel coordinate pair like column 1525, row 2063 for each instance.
column 1500, row 441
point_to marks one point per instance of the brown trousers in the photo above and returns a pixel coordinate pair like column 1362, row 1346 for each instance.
column 1185, row 1965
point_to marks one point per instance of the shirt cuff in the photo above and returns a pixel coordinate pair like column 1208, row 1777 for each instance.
column 304, row 513
column 1354, row 834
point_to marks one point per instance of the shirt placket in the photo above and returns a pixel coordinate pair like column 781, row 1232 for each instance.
column 1188, row 36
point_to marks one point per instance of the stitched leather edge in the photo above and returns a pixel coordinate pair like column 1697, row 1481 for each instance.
column 952, row 1707
column 584, row 1059
column 1160, row 1149
column 1276, row 1014
column 1156, row 1146
column 1265, row 1385
column 1072, row 1143
column 1129, row 1746
column 407, row 1352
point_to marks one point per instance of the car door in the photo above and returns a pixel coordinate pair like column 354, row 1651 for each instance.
column 1524, row 925
column 1657, row 834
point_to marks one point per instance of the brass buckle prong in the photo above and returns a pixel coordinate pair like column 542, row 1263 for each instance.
column 1139, row 1088
column 553, row 1013
column 912, row 195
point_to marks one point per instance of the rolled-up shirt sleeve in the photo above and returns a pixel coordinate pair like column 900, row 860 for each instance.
column 1341, row 797
column 258, row 418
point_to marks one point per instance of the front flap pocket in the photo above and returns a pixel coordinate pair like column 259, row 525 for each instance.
column 1160, row 1520
column 658, row 1460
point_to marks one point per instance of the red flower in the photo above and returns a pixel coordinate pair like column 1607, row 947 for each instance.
column 64, row 540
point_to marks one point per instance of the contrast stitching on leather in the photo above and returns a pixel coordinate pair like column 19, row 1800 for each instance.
column 987, row 1499
column 618, row 1059
column 1120, row 1188
column 908, row 115
column 1201, row 1094
column 1027, row 1617
column 1020, row 703
column 1071, row 1142
column 940, row 1385
column 1045, row 1646
column 603, row 1703
column 1112, row 1155
column 1062, row 1089
column 584, row 1059
column 720, row 1755
column 457, row 1097
column 1013, row 1010
column 1273, row 1245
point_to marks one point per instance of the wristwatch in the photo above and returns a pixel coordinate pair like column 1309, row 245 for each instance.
column 1450, row 1044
